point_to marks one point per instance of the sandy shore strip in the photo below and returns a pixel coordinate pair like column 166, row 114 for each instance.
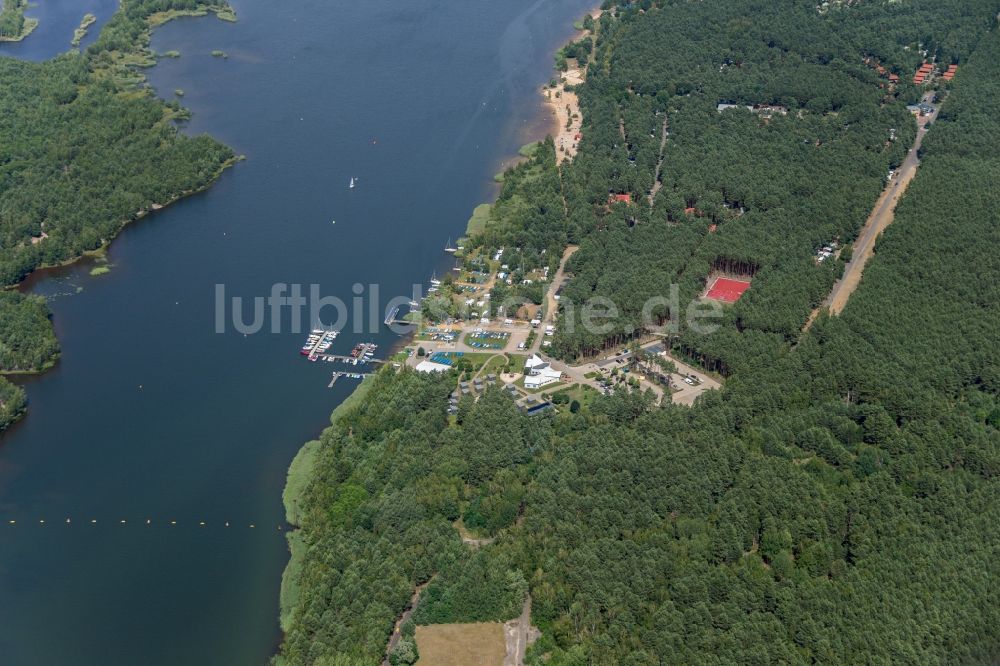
column 564, row 105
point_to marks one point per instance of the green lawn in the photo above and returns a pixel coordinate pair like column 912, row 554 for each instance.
column 290, row 584
column 582, row 393
column 495, row 365
column 475, row 359
column 478, row 359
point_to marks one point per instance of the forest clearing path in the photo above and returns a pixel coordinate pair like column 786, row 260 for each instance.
column 881, row 217
column 519, row 634
column 657, row 184
column 397, row 634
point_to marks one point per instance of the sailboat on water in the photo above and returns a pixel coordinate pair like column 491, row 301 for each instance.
column 449, row 248
column 351, row 185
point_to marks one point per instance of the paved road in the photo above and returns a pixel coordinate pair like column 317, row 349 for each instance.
column 880, row 218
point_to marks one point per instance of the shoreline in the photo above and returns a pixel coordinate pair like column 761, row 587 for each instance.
column 563, row 106
column 27, row 27
column 302, row 463
column 42, row 271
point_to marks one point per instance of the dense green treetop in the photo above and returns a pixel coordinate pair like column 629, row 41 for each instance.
column 838, row 501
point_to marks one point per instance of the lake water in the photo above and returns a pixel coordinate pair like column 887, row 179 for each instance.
column 151, row 414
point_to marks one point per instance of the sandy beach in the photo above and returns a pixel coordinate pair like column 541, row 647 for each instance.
column 564, row 105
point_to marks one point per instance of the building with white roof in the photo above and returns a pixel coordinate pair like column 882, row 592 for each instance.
column 540, row 373
column 431, row 366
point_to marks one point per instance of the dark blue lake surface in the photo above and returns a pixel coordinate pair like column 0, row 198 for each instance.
column 152, row 415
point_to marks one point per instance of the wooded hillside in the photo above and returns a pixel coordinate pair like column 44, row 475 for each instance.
column 838, row 502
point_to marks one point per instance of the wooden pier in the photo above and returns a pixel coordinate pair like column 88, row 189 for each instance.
column 351, row 375
column 348, row 359
column 325, row 337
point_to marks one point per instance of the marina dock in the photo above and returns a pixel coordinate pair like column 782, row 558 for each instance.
column 361, row 354
column 331, row 358
column 350, row 375
column 393, row 318
column 319, row 341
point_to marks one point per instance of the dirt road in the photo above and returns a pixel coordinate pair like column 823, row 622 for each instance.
column 519, row 633
column 397, row 628
column 551, row 305
column 880, row 218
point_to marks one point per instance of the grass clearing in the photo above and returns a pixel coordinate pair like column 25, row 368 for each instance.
column 479, row 643
column 299, row 475
column 480, row 217
column 290, row 586
column 582, row 393
column 476, row 359
column 529, row 149
column 495, row 365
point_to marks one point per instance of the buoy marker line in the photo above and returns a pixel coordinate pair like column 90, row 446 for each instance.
column 13, row 522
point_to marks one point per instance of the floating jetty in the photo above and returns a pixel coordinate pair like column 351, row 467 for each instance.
column 352, row 360
column 362, row 353
column 350, row 375
column 393, row 318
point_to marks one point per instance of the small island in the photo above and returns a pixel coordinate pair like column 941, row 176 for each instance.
column 81, row 32
column 219, row 54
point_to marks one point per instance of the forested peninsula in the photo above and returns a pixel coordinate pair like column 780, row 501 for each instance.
column 85, row 148
column 838, row 500
column 14, row 26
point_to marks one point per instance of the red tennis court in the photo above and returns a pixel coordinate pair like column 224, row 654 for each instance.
column 727, row 290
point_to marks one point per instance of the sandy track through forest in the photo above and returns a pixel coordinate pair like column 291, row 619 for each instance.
column 881, row 217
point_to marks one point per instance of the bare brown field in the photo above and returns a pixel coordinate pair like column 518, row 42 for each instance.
column 476, row 644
